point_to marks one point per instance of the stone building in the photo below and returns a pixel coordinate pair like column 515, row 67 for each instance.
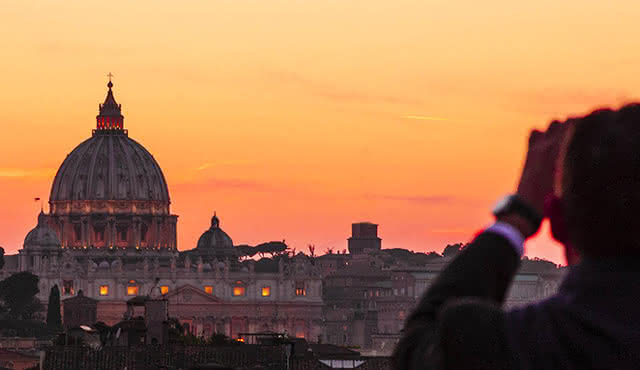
column 111, row 234
column 79, row 310
column 369, row 293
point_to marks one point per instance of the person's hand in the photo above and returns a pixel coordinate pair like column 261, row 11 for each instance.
column 541, row 164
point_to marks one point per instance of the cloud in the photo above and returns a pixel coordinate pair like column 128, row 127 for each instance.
column 26, row 173
column 208, row 165
column 218, row 184
column 204, row 166
column 426, row 118
column 453, row 231
column 429, row 199
column 332, row 91
column 563, row 101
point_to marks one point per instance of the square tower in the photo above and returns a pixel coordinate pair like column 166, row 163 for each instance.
column 364, row 238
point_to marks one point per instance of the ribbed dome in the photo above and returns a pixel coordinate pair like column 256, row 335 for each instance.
column 109, row 166
column 42, row 236
column 214, row 238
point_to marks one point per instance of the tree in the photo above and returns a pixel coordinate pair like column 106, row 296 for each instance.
column 246, row 250
column 1, row 258
column 312, row 250
column 272, row 248
column 54, row 320
column 452, row 250
column 17, row 292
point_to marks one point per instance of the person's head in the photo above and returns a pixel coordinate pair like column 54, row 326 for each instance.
column 598, row 193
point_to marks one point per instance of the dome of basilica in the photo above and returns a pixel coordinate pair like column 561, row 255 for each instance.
column 42, row 236
column 110, row 191
column 214, row 238
column 109, row 165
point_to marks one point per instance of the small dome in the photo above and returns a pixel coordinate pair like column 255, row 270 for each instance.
column 104, row 265
column 214, row 238
column 42, row 236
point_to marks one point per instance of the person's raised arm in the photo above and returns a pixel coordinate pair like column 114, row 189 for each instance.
column 485, row 268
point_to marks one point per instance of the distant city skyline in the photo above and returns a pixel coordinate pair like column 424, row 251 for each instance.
column 293, row 120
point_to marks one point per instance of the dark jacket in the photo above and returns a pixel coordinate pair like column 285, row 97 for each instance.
column 593, row 322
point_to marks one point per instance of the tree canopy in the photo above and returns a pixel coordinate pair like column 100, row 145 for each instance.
column 17, row 293
column 1, row 258
column 452, row 249
column 270, row 248
column 54, row 319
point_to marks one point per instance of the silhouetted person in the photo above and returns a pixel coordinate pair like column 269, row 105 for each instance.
column 593, row 204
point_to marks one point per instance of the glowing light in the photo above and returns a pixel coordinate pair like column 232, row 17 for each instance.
column 266, row 291
column 132, row 290
column 238, row 291
column 208, row 289
column 164, row 289
column 104, row 290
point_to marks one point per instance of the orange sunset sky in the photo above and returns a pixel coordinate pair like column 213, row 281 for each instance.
column 293, row 119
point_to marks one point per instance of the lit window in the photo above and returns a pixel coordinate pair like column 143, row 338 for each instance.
column 208, row 289
column 67, row 287
column 104, row 290
column 164, row 289
column 238, row 290
column 132, row 290
column 300, row 291
column 266, row 291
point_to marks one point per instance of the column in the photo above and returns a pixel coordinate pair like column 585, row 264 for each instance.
column 90, row 231
column 84, row 230
column 175, row 233
column 107, row 233
column 61, row 229
column 135, row 229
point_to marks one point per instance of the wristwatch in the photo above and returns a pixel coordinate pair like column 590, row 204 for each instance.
column 513, row 204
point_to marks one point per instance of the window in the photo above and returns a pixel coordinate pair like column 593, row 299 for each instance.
column 132, row 290
column 266, row 291
column 164, row 289
column 143, row 232
column 208, row 289
column 300, row 291
column 104, row 290
column 67, row 287
column 77, row 232
column 238, row 289
column 98, row 231
column 122, row 233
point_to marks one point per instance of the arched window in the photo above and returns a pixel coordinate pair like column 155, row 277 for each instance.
column 144, row 229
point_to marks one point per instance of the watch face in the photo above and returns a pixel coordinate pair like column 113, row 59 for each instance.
column 502, row 204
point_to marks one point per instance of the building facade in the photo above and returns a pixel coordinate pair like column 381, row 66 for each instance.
column 110, row 233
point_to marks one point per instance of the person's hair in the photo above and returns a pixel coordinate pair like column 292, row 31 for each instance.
column 601, row 183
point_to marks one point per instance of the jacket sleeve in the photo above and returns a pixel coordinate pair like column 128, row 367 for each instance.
column 482, row 272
